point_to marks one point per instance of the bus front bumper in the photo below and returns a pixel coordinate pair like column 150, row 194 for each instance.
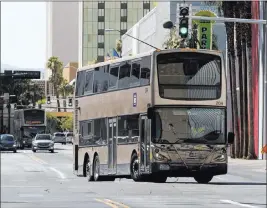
column 180, row 170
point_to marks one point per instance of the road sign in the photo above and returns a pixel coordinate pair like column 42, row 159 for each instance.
column 26, row 74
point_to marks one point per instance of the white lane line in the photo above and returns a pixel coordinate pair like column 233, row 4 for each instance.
column 238, row 204
column 31, row 195
column 21, row 186
column 60, row 174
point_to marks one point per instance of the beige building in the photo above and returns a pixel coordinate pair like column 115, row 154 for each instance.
column 69, row 71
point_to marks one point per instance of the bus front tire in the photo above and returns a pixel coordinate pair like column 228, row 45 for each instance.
column 34, row 150
column 203, row 179
column 135, row 168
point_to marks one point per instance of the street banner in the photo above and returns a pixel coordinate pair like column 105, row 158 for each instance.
column 205, row 29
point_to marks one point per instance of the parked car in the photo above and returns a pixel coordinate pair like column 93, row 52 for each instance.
column 8, row 143
column 43, row 142
column 69, row 137
column 59, row 137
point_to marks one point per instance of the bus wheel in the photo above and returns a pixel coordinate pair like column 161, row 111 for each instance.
column 96, row 167
column 135, row 168
column 88, row 170
column 203, row 178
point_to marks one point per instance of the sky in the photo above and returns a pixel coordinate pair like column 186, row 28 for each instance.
column 23, row 34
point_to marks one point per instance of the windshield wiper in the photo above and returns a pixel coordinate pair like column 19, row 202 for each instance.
column 198, row 141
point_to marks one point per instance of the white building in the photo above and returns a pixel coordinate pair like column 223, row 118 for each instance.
column 150, row 28
column 62, row 32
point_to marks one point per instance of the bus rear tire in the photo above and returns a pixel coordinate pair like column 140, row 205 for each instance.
column 88, row 170
column 203, row 179
column 96, row 167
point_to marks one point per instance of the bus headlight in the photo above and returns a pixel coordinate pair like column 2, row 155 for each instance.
column 14, row 145
column 158, row 156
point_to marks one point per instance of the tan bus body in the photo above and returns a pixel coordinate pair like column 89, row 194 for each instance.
column 115, row 158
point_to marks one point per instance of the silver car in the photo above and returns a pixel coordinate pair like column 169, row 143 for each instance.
column 43, row 142
column 69, row 137
column 59, row 137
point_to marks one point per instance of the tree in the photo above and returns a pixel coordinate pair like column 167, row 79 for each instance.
column 26, row 92
column 239, row 53
column 67, row 123
column 56, row 79
column 53, row 123
column 173, row 40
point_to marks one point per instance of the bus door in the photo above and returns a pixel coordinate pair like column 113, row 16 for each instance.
column 112, row 145
column 144, row 156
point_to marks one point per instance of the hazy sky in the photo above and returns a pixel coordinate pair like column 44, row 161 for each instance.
column 23, row 34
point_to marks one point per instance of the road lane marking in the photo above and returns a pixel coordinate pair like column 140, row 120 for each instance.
column 117, row 203
column 31, row 195
column 238, row 204
column 109, row 204
column 36, row 159
column 61, row 175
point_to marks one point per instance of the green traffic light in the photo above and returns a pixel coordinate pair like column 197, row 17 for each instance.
column 183, row 30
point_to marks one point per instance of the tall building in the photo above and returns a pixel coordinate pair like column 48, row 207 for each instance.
column 69, row 71
column 96, row 16
column 62, row 32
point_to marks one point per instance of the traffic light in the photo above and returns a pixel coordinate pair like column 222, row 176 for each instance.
column 184, row 22
column 48, row 101
column 70, row 102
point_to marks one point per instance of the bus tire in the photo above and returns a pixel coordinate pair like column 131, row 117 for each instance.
column 88, row 173
column 134, row 168
column 96, row 168
column 203, row 179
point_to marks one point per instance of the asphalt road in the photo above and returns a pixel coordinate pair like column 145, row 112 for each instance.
column 46, row 180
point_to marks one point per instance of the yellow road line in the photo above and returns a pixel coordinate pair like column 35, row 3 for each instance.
column 117, row 203
column 36, row 159
column 109, row 204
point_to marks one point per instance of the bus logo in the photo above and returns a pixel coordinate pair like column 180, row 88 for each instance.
column 135, row 99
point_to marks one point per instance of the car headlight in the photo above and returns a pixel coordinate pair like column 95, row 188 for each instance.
column 14, row 145
column 51, row 144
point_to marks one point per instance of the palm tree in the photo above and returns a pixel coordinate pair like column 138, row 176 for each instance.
column 56, row 79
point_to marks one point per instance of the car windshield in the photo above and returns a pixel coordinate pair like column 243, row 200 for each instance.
column 190, row 125
column 43, row 137
column 70, row 134
column 59, row 135
column 8, row 138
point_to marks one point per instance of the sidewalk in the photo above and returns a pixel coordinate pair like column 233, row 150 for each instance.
column 256, row 165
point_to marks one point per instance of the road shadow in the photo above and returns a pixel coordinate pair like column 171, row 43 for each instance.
column 254, row 204
column 43, row 151
column 9, row 152
column 227, row 183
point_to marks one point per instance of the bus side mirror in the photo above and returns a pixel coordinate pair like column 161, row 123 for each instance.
column 150, row 113
column 231, row 137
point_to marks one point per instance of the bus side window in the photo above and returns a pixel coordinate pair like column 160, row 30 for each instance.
column 135, row 74
column 113, row 77
column 145, row 70
column 124, row 75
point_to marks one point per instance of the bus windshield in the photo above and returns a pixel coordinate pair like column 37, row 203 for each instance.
column 189, row 125
column 189, row 76
column 30, row 132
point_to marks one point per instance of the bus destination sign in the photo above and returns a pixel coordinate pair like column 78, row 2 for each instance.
column 33, row 122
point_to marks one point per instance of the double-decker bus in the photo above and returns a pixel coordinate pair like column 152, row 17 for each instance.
column 28, row 123
column 152, row 116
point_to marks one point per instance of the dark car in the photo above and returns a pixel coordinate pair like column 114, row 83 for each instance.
column 8, row 143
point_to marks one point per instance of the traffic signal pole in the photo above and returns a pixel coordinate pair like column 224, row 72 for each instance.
column 262, row 65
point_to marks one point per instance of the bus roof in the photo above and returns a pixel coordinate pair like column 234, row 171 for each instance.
column 126, row 58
